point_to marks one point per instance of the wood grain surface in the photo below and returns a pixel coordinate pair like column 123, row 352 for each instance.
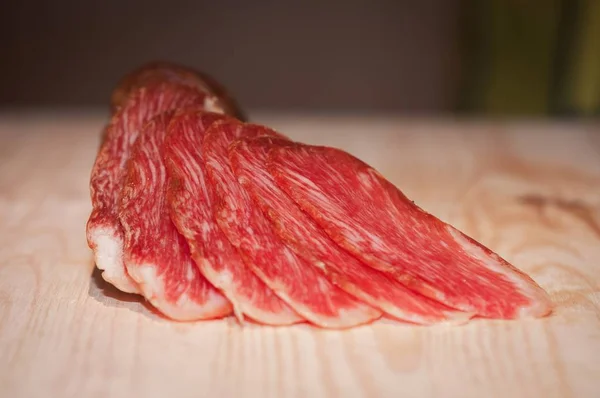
column 528, row 190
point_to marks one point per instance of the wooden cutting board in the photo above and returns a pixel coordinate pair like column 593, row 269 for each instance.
column 530, row 191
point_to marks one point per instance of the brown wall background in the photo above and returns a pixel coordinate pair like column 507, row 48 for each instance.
column 279, row 55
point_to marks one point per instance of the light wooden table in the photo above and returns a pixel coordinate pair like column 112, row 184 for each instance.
column 530, row 191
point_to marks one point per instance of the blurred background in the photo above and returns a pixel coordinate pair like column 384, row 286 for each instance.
column 434, row 57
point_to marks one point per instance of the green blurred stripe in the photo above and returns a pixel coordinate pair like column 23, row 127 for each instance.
column 531, row 57
column 522, row 42
column 584, row 74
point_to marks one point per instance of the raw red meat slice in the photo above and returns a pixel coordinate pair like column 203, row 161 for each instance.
column 192, row 201
column 248, row 159
column 104, row 233
column 291, row 277
column 371, row 218
column 156, row 256
column 218, row 98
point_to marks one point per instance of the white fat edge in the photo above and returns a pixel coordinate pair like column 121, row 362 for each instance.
column 363, row 312
column 396, row 311
column 191, row 309
column 285, row 317
column 184, row 309
column 532, row 292
column 151, row 284
column 224, row 281
column 344, row 317
column 108, row 256
column 211, row 104
column 387, row 307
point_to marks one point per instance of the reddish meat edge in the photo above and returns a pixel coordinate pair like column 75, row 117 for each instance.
column 292, row 278
column 103, row 230
column 156, row 256
column 368, row 216
column 301, row 233
column 221, row 100
column 192, row 201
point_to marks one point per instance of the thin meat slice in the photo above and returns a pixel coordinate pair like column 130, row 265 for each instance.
column 104, row 232
column 156, row 256
column 368, row 216
column 301, row 233
column 192, row 202
column 292, row 278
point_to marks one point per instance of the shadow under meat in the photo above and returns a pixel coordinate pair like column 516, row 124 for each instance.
column 110, row 296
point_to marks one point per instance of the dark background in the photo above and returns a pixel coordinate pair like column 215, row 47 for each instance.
column 407, row 57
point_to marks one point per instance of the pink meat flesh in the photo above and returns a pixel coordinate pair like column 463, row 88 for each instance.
column 104, row 232
column 300, row 232
column 372, row 219
column 192, row 201
column 155, row 255
column 292, row 278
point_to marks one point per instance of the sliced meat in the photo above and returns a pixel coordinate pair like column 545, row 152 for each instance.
column 301, row 233
column 372, row 219
column 292, row 278
column 156, row 256
column 192, row 201
column 218, row 98
column 104, row 232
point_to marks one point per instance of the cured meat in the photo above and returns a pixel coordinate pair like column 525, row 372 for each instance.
column 156, row 256
column 368, row 216
column 292, row 278
column 248, row 159
column 104, row 232
column 218, row 98
column 192, row 201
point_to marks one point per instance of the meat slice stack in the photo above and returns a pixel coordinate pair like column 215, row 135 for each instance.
column 370, row 218
column 291, row 277
column 193, row 201
column 207, row 215
column 155, row 255
column 104, row 232
column 308, row 240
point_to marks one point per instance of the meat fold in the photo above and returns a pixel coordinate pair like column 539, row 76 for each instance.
column 192, row 202
column 291, row 277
